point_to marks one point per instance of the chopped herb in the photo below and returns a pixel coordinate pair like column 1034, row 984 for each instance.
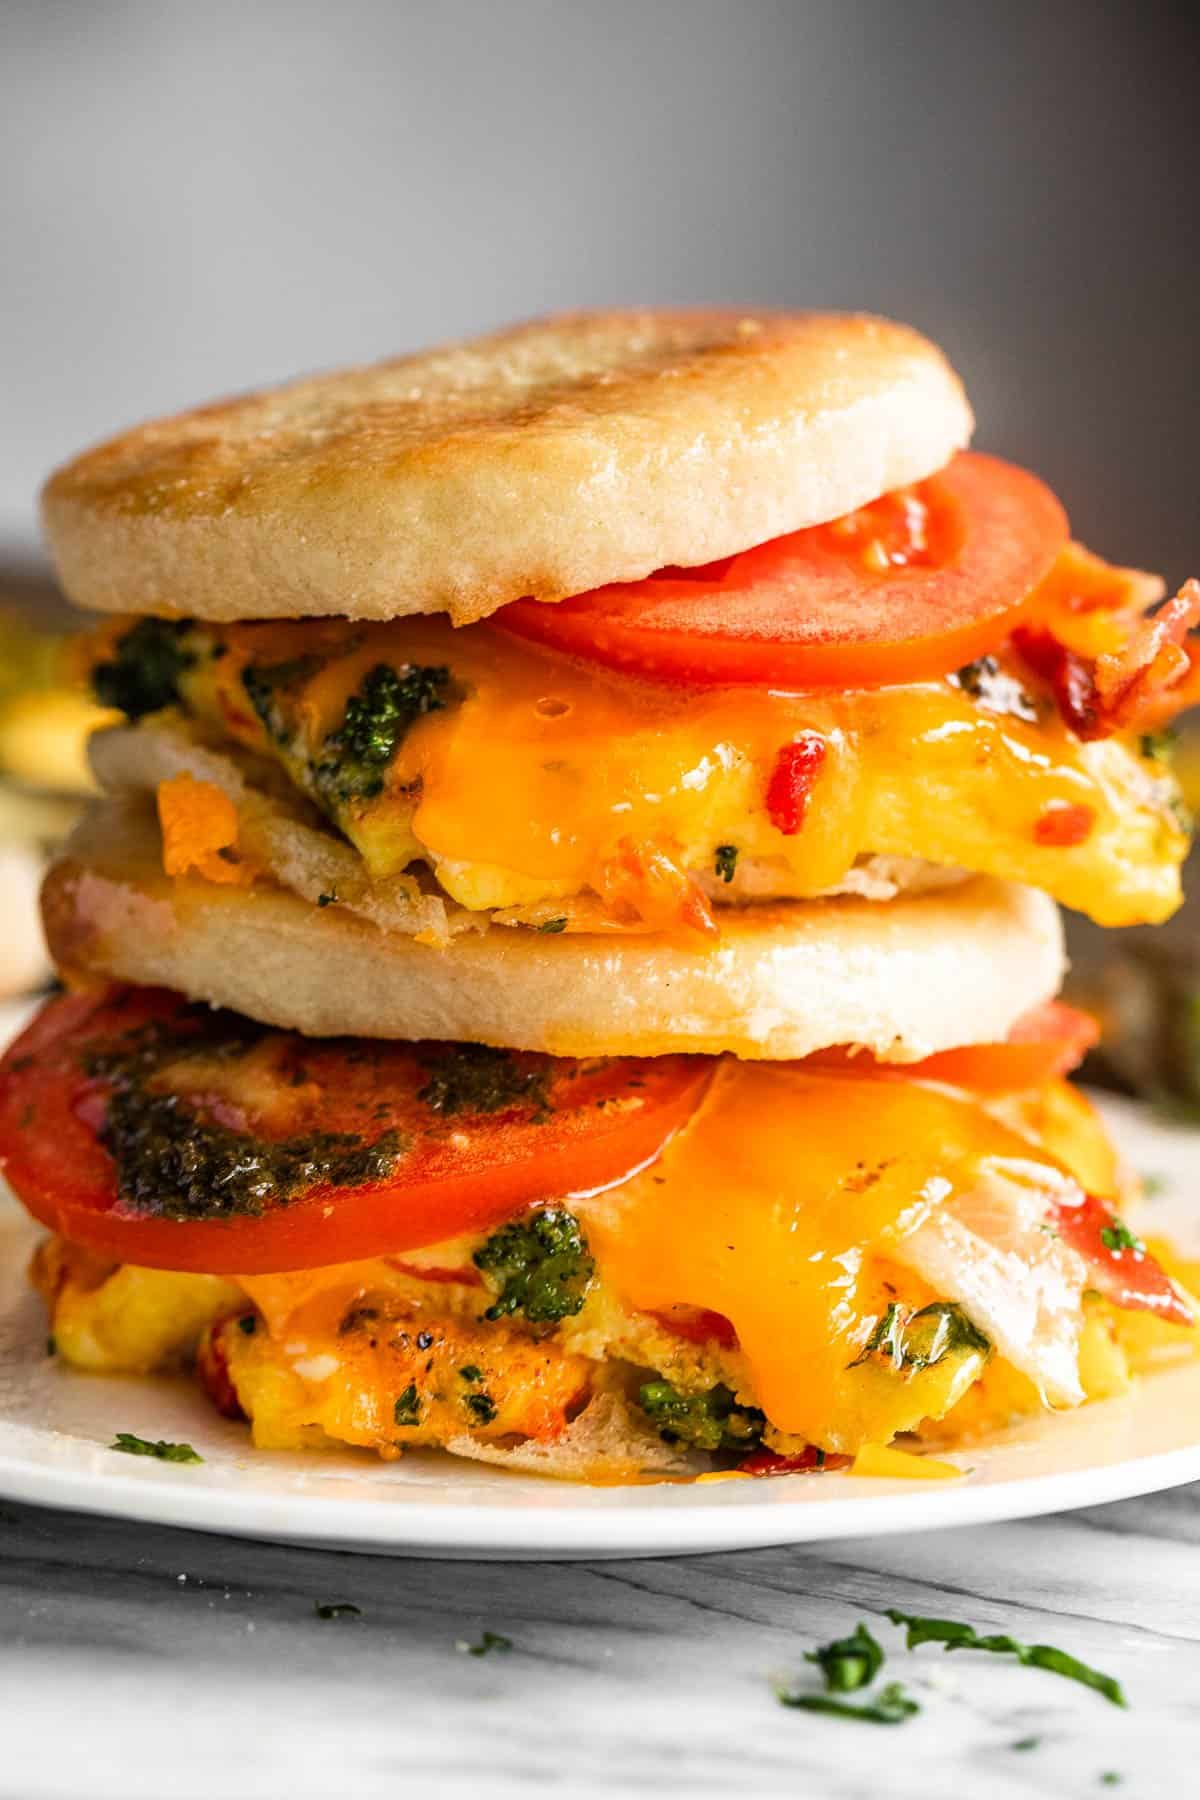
column 707, row 1421
column 51, row 1346
column 482, row 1408
column 725, row 861
column 1118, row 1236
column 549, row 927
column 327, row 899
column 353, row 759
column 891, row 1705
column 488, row 1641
column 130, row 1445
column 1154, row 1184
column 407, row 1410
column 1156, row 746
column 956, row 1636
column 474, row 1078
column 472, row 1372
column 1029, row 1743
column 920, row 1339
column 541, row 1266
column 848, row 1663
column 1111, row 1778
column 337, row 1609
column 143, row 675
column 248, row 1324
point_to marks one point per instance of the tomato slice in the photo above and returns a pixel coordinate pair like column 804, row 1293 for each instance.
column 157, row 1132
column 1119, row 1265
column 912, row 586
column 1046, row 1044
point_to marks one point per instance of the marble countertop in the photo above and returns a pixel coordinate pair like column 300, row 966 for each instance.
column 140, row 1661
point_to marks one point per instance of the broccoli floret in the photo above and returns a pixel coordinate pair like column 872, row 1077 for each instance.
column 387, row 703
column 541, row 1266
column 710, row 1421
column 143, row 675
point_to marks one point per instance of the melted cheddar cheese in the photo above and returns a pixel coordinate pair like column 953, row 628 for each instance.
column 535, row 779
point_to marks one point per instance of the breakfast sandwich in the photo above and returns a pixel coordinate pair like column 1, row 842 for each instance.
column 564, row 966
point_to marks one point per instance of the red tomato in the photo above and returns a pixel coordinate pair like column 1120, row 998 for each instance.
column 1047, row 1043
column 566, row 1127
column 809, row 1461
column 1119, row 1265
column 912, row 586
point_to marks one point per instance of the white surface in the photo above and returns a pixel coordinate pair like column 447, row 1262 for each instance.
column 55, row 1426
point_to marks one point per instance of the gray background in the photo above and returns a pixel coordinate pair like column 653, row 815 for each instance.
column 198, row 198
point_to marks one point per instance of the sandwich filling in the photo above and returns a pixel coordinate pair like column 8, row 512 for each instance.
column 401, row 1246
column 440, row 778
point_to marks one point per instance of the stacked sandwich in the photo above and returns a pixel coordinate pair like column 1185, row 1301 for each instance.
column 564, row 967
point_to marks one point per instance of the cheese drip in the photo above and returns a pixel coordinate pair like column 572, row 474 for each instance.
column 785, row 1205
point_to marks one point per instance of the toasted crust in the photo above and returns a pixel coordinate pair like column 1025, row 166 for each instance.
column 543, row 460
column 903, row 979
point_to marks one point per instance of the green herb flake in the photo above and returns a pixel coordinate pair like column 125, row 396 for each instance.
column 327, row 899
column 52, row 1346
column 248, row 1324
column 725, row 861
column 550, row 927
column 955, row 1636
column 1154, row 1184
column 919, row 1340
column 540, row 1265
column 1117, row 1237
column 472, row 1372
column 1157, row 746
column 1029, row 1743
column 407, row 1410
column 891, row 1706
column 1111, row 1778
column 131, row 1445
column 488, row 1641
column 481, row 1407
column 848, row 1663
column 337, row 1609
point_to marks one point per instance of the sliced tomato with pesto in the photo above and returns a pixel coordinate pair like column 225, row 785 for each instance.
column 912, row 586
column 167, row 1135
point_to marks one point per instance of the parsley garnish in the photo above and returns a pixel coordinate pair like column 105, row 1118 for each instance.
column 725, row 861
column 850, row 1662
column 407, row 1410
column 1118, row 1236
column 917, row 1340
column 131, row 1445
column 956, row 1636
column 891, row 1705
column 550, row 926
column 488, row 1641
column 337, row 1609
column 1156, row 746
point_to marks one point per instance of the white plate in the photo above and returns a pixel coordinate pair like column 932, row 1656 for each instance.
column 55, row 1428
